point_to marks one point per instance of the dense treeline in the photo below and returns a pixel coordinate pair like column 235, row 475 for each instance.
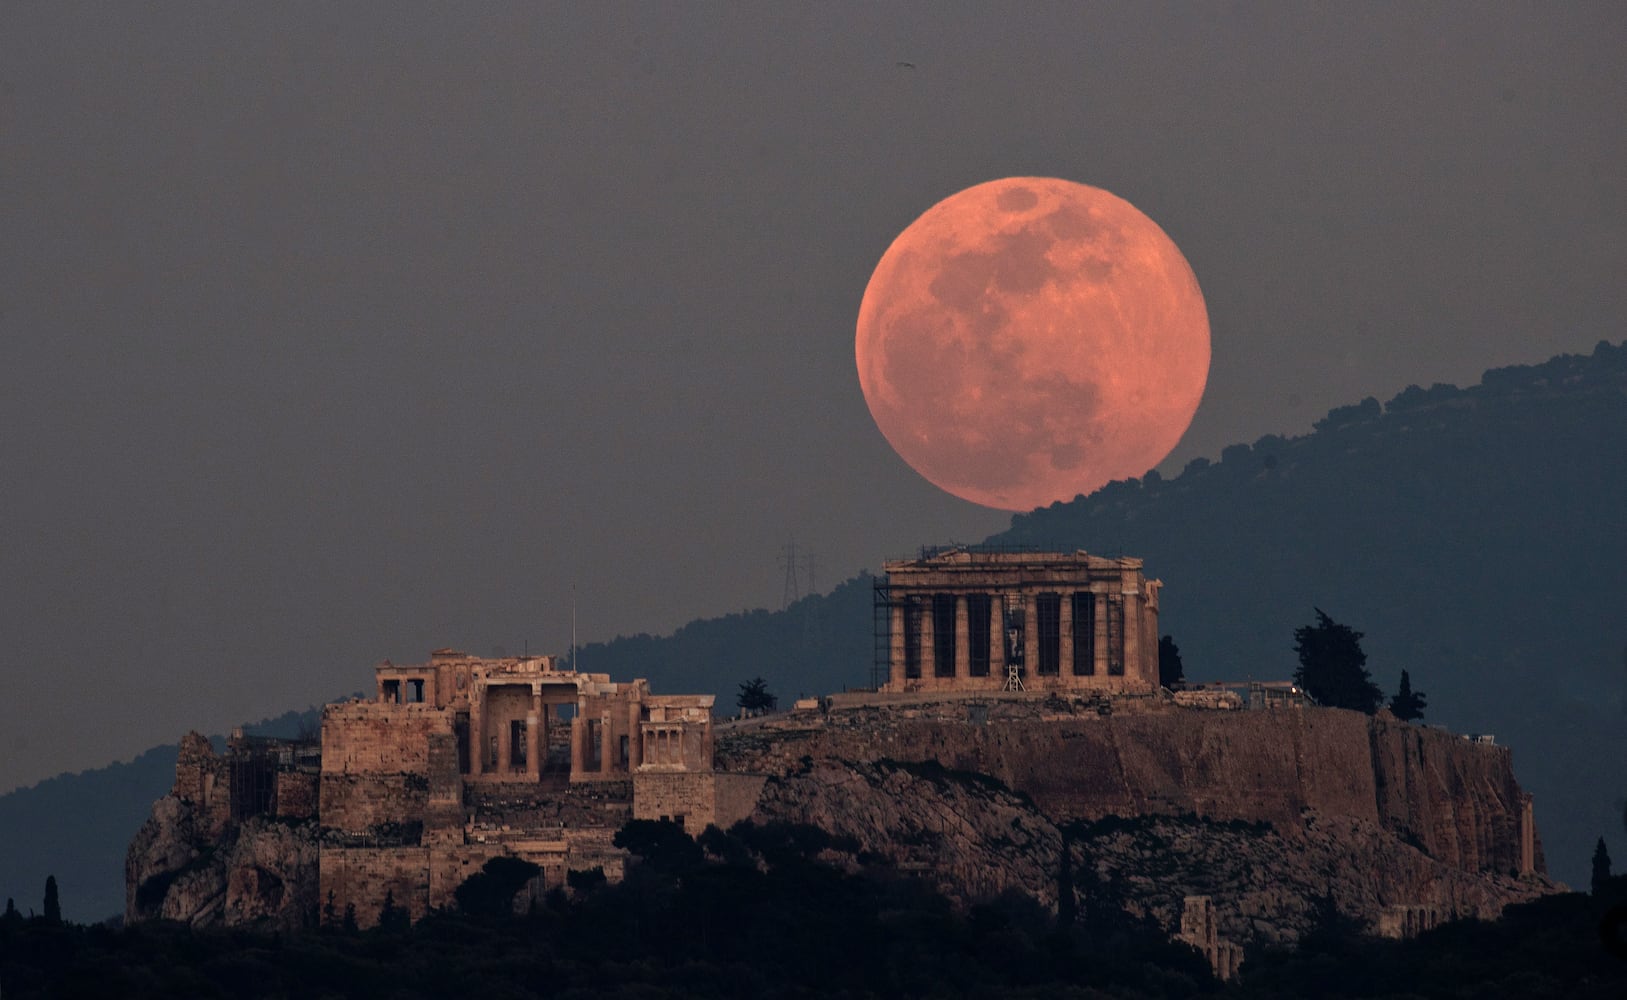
column 752, row 913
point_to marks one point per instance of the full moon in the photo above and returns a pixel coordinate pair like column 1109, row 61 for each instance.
column 1030, row 339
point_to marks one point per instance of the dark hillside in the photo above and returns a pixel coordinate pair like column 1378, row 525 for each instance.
column 1477, row 536
column 77, row 826
column 818, row 645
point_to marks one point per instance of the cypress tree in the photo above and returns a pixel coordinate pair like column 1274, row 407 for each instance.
column 1601, row 865
column 1171, row 672
column 53, row 906
column 1407, row 703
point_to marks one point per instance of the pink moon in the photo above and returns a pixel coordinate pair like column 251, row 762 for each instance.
column 1030, row 339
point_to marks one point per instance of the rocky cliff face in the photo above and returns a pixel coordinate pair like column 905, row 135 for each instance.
column 1273, row 814
column 192, row 863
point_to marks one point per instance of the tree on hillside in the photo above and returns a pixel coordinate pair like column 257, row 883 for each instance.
column 1601, row 865
column 754, row 696
column 1170, row 672
column 12, row 916
column 1407, row 703
column 391, row 916
column 53, row 906
column 1332, row 666
column 490, row 891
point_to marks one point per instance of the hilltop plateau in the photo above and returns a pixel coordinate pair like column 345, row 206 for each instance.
column 1271, row 813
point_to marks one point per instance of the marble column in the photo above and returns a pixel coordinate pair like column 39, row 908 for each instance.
column 477, row 729
column 1064, row 662
column 1133, row 667
column 533, row 733
column 607, row 756
column 997, row 637
column 963, row 639
column 895, row 650
column 579, row 738
column 929, row 658
column 635, row 736
column 1101, row 635
column 505, row 738
column 1030, row 638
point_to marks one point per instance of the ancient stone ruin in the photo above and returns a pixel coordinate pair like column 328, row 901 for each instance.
column 452, row 763
column 964, row 620
column 1017, row 730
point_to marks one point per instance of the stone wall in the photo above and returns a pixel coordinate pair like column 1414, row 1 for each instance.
column 296, row 794
column 376, row 768
column 365, row 737
column 363, row 876
column 201, row 781
column 1458, row 800
column 698, row 799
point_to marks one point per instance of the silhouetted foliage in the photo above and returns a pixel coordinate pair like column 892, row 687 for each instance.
column 585, row 880
column 53, row 905
column 391, row 916
column 1601, row 866
column 348, row 924
column 659, row 843
column 330, row 912
column 1342, row 416
column 1407, row 703
column 490, row 891
column 1332, row 666
column 11, row 910
column 1171, row 673
column 754, row 696
column 780, row 925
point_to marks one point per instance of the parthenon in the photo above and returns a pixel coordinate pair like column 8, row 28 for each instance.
column 969, row 620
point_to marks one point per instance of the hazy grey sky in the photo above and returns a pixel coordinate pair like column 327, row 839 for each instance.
column 334, row 332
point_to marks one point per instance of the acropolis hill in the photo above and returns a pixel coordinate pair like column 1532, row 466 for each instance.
column 1021, row 723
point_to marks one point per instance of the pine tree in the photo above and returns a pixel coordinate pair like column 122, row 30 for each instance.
column 330, row 913
column 1407, row 703
column 1601, row 865
column 754, row 696
column 393, row 917
column 12, row 915
column 53, row 906
column 349, row 925
column 1332, row 666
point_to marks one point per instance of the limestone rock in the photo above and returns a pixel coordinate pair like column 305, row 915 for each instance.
column 1276, row 815
column 261, row 872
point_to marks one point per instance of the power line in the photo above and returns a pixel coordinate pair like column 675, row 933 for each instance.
column 788, row 559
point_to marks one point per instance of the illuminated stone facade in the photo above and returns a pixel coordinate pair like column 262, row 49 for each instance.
column 463, row 759
column 967, row 620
